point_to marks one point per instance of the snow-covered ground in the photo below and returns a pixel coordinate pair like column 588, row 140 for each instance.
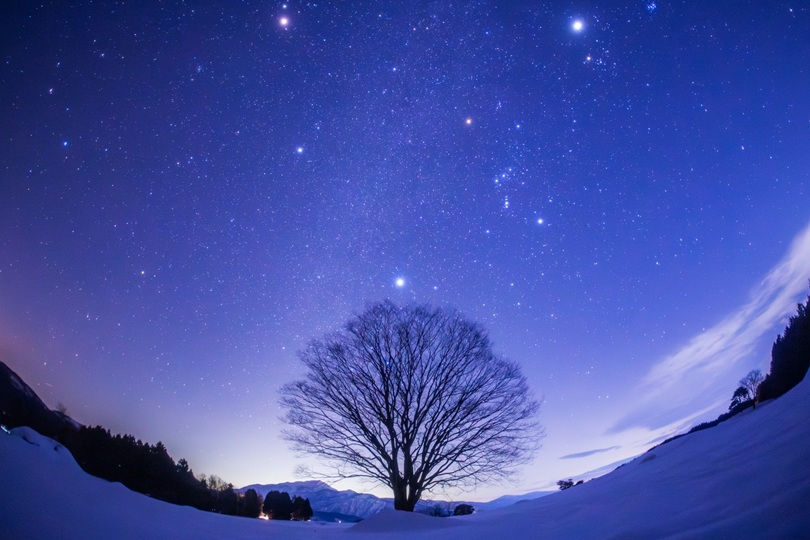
column 748, row 477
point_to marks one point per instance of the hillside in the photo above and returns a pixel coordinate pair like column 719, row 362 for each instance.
column 746, row 477
column 21, row 406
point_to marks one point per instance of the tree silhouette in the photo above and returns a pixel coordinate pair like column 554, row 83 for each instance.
column 746, row 391
column 148, row 469
column 741, row 395
column 751, row 382
column 278, row 505
column 413, row 398
column 301, row 509
column 565, row 484
column 790, row 356
column 250, row 504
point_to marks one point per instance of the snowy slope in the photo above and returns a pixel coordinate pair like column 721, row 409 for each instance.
column 509, row 500
column 45, row 494
column 748, row 477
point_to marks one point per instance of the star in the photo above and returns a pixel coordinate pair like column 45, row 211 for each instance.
column 577, row 25
column 400, row 282
column 468, row 121
column 284, row 22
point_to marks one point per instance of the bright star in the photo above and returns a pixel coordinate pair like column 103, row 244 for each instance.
column 468, row 121
column 400, row 282
column 577, row 25
column 284, row 21
column 299, row 150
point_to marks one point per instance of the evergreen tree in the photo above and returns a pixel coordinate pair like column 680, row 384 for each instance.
column 228, row 501
column 790, row 356
column 301, row 509
column 741, row 395
column 277, row 505
column 250, row 504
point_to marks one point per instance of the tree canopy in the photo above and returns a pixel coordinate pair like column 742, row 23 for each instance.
column 278, row 505
column 414, row 398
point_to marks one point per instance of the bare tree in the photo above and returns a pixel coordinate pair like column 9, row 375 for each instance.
column 747, row 391
column 751, row 382
column 413, row 398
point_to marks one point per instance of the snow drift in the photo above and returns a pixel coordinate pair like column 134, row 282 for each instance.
column 747, row 477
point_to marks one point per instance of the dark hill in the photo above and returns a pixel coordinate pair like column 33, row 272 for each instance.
column 140, row 466
column 21, row 406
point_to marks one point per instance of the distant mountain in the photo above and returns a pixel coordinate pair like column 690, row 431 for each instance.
column 20, row 406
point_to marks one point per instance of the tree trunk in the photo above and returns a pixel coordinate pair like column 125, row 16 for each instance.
column 401, row 501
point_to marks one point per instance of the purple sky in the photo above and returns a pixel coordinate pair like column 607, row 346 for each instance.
column 191, row 191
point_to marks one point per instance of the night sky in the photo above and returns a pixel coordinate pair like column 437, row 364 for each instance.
column 191, row 191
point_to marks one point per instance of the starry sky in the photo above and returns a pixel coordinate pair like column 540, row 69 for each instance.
column 193, row 190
